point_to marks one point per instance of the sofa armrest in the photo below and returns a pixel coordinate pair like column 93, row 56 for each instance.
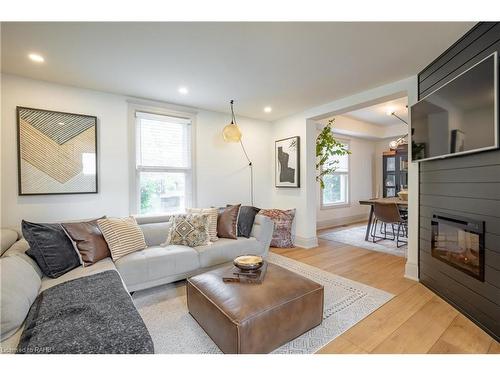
column 262, row 230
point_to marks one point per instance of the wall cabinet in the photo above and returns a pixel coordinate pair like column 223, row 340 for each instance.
column 395, row 171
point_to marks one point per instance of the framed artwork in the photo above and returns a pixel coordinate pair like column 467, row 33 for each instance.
column 457, row 141
column 287, row 162
column 57, row 152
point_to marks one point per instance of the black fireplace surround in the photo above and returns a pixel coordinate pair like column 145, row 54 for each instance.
column 459, row 202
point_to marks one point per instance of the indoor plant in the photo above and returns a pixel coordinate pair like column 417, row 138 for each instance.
column 327, row 147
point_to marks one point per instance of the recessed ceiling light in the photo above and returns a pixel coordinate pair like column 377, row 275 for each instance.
column 36, row 58
column 60, row 123
column 268, row 109
column 183, row 90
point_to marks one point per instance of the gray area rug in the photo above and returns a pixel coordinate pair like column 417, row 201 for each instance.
column 173, row 330
column 356, row 237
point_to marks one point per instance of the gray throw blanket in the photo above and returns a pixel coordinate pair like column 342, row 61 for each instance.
column 92, row 314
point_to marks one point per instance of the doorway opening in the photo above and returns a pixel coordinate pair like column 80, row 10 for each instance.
column 363, row 202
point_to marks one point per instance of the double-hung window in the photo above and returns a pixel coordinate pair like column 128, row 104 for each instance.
column 336, row 190
column 163, row 163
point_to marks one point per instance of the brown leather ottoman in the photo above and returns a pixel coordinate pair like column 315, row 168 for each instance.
column 255, row 318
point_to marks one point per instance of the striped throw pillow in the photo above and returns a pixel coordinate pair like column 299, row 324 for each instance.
column 212, row 220
column 123, row 235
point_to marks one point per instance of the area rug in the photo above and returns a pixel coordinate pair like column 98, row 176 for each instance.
column 173, row 330
column 356, row 237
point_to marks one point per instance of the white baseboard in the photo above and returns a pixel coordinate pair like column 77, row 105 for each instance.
column 306, row 242
column 334, row 222
column 411, row 271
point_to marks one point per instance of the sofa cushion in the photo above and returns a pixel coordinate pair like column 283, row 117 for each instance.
column 155, row 263
column 283, row 221
column 88, row 240
column 19, row 287
column 105, row 264
column 123, row 236
column 225, row 250
column 213, row 213
column 51, row 248
column 227, row 221
column 246, row 218
column 19, row 249
column 7, row 238
column 189, row 230
column 156, row 233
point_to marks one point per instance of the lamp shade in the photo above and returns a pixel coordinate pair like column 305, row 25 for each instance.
column 231, row 133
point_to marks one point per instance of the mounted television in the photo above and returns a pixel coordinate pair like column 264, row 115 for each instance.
column 460, row 117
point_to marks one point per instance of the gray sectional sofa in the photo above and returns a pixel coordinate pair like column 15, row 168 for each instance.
column 156, row 265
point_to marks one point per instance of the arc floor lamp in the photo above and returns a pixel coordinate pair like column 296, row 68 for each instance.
column 232, row 133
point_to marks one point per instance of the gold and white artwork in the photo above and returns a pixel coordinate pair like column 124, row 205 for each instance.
column 57, row 152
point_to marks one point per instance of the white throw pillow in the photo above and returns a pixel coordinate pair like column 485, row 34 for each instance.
column 123, row 235
column 212, row 220
column 20, row 284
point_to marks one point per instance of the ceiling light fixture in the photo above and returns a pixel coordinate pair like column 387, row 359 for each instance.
column 401, row 140
column 268, row 109
column 183, row 90
column 36, row 57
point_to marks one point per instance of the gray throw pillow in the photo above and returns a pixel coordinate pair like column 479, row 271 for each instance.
column 51, row 248
column 246, row 218
column 20, row 284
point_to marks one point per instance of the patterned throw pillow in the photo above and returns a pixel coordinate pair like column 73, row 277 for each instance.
column 123, row 235
column 282, row 219
column 212, row 220
column 189, row 230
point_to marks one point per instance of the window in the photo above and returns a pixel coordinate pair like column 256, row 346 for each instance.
column 163, row 163
column 336, row 190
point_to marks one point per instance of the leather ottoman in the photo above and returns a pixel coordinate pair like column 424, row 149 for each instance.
column 255, row 318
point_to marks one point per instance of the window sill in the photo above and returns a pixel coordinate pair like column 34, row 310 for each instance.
column 334, row 206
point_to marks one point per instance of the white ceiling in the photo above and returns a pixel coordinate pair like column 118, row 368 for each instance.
column 377, row 114
column 289, row 66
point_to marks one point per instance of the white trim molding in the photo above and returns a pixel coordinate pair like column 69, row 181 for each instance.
column 336, row 221
column 306, row 243
column 411, row 271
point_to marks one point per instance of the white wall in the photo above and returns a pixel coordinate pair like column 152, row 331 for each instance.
column 222, row 174
column 361, row 181
column 286, row 198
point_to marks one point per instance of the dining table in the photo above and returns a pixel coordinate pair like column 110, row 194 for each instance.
column 371, row 202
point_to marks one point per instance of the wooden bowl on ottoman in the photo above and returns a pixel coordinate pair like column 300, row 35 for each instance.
column 248, row 262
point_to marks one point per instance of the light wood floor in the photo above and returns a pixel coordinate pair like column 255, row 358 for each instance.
column 416, row 320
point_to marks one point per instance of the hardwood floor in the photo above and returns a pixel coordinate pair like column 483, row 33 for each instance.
column 416, row 320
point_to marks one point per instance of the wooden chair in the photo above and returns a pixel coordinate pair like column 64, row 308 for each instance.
column 388, row 213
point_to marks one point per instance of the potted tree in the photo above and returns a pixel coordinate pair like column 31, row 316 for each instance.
column 327, row 147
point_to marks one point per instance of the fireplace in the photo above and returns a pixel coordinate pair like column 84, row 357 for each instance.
column 459, row 242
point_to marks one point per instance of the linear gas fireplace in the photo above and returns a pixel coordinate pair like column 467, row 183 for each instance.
column 459, row 242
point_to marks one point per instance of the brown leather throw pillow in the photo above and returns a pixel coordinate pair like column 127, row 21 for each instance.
column 89, row 241
column 227, row 222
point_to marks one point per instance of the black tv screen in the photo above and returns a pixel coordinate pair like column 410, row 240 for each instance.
column 459, row 117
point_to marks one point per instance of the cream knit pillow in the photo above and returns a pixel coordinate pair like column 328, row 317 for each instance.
column 212, row 220
column 123, row 235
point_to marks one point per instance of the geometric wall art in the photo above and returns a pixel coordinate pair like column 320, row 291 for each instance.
column 287, row 162
column 57, row 152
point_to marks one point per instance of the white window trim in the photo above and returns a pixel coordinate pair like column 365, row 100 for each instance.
column 330, row 206
column 161, row 109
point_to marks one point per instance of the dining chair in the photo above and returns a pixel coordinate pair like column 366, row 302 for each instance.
column 388, row 213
